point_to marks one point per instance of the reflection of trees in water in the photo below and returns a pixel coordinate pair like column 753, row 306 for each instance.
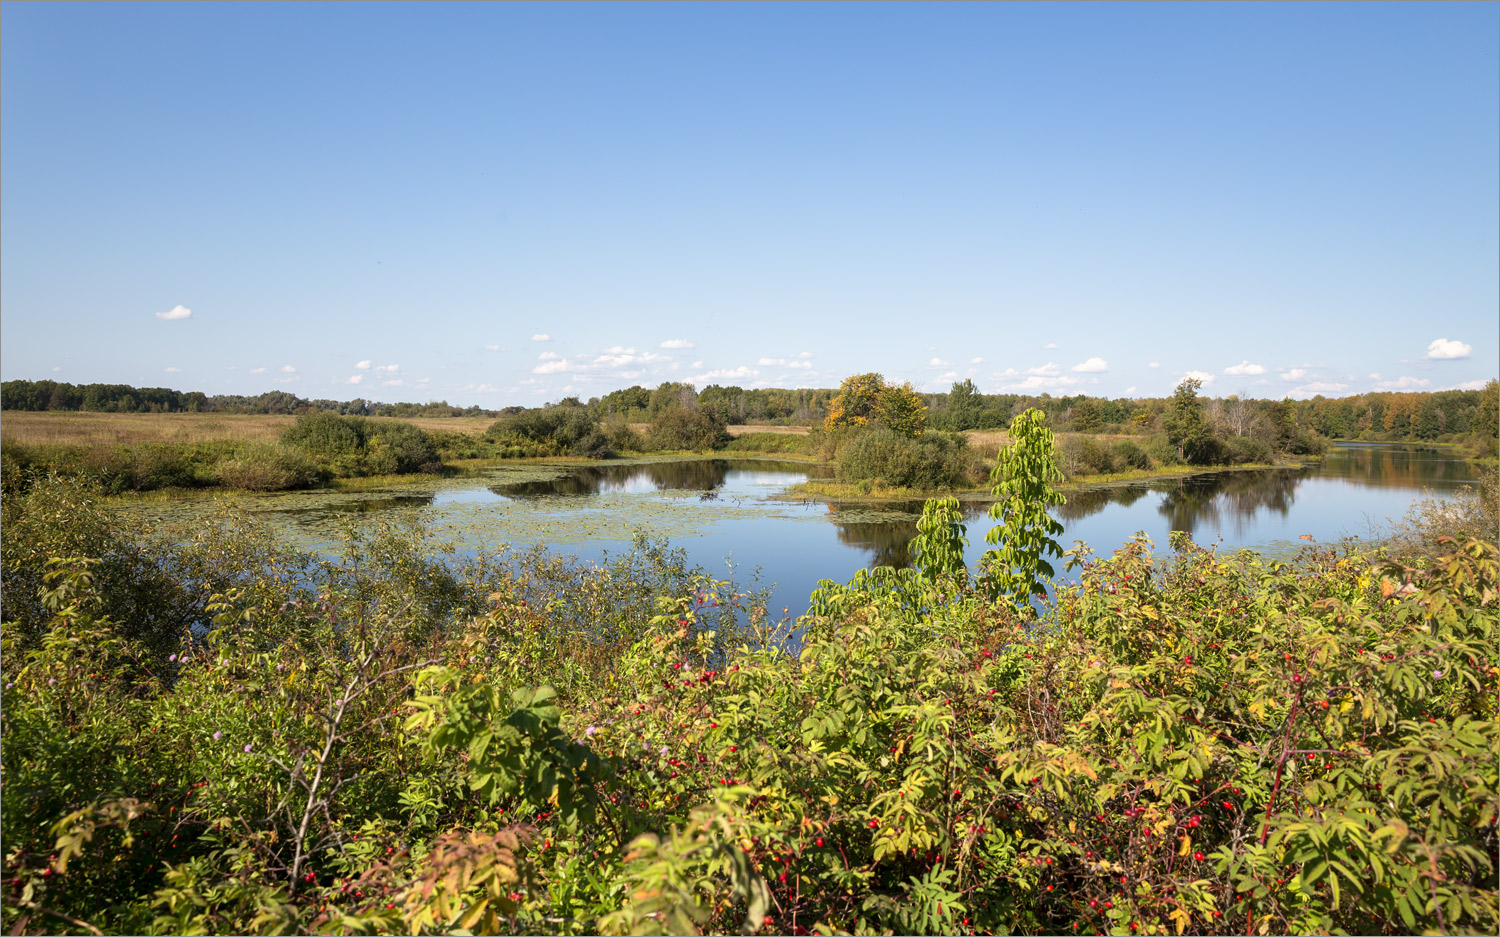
column 1081, row 504
column 686, row 475
column 697, row 475
column 1397, row 466
column 1237, row 495
column 886, row 541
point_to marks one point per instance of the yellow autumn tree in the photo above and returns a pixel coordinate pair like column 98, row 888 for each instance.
column 866, row 399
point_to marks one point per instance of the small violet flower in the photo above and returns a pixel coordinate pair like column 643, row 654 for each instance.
column 590, row 730
column 172, row 657
column 1438, row 674
column 247, row 748
column 218, row 735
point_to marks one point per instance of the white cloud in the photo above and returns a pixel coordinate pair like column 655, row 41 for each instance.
column 492, row 348
column 726, row 374
column 805, row 354
column 541, row 337
column 619, row 350
column 1293, row 374
column 696, row 365
column 285, row 380
column 676, row 343
column 529, row 380
column 1374, row 375
column 362, row 365
column 257, row 370
column 353, row 379
column 56, row 368
column 1130, row 389
column 397, row 382
column 1403, row 383
column 288, row 369
column 1245, row 367
column 1318, row 387
column 1091, row 365
column 175, row 313
column 390, row 368
column 1153, row 364
column 1442, row 348
column 1050, row 369
column 945, row 377
column 1050, row 345
column 482, row 388
column 550, row 367
column 938, row 363
column 976, row 361
column 1203, row 376
column 549, row 356
column 1469, row 385
column 171, row 370
column 1041, row 382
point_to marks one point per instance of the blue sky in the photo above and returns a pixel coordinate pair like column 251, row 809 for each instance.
column 507, row 203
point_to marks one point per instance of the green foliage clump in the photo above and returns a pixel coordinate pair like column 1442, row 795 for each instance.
column 695, row 428
column 1023, row 477
column 555, row 430
column 268, row 467
column 353, row 446
column 935, row 460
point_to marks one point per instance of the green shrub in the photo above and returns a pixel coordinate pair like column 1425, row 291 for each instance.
column 395, row 448
column 1244, row 449
column 268, row 467
column 933, row 460
column 553, row 430
column 1131, row 456
column 699, row 429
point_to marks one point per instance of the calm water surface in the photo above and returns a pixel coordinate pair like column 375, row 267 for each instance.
column 727, row 511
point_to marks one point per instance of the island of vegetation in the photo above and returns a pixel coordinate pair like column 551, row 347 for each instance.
column 205, row 731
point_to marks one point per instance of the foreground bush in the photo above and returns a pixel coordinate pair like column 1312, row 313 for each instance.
column 934, row 460
column 394, row 743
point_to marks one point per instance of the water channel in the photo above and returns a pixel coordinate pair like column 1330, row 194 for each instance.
column 733, row 511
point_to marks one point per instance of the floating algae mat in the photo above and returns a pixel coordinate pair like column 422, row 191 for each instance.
column 555, row 504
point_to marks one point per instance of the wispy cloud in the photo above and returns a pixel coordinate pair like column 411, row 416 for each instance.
column 172, row 370
column 1442, row 348
column 257, row 370
column 1318, row 387
column 551, row 367
column 1037, row 383
column 287, row 369
column 1403, row 383
column 362, row 365
column 541, row 337
column 939, row 363
column 1050, row 369
column 1050, row 345
column 1203, row 376
column 353, row 379
column 1469, row 385
column 784, row 363
column 492, row 348
column 1153, row 364
column 175, row 313
column 976, row 361
column 1093, row 365
column 726, row 374
column 676, row 343
column 1245, row 367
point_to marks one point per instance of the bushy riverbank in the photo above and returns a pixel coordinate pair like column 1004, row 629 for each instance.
column 226, row 736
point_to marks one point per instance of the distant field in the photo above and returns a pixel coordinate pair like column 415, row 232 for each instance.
column 63, row 427
column 789, row 430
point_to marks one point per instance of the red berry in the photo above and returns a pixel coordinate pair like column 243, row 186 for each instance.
column 1198, row 856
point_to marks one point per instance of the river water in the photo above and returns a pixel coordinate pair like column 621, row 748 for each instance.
column 729, row 512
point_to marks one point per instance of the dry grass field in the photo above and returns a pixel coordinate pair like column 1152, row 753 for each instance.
column 62, row 427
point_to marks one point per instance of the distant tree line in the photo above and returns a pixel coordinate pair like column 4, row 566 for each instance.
column 1381, row 415
column 122, row 398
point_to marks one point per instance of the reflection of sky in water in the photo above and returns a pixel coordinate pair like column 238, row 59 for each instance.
column 725, row 510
